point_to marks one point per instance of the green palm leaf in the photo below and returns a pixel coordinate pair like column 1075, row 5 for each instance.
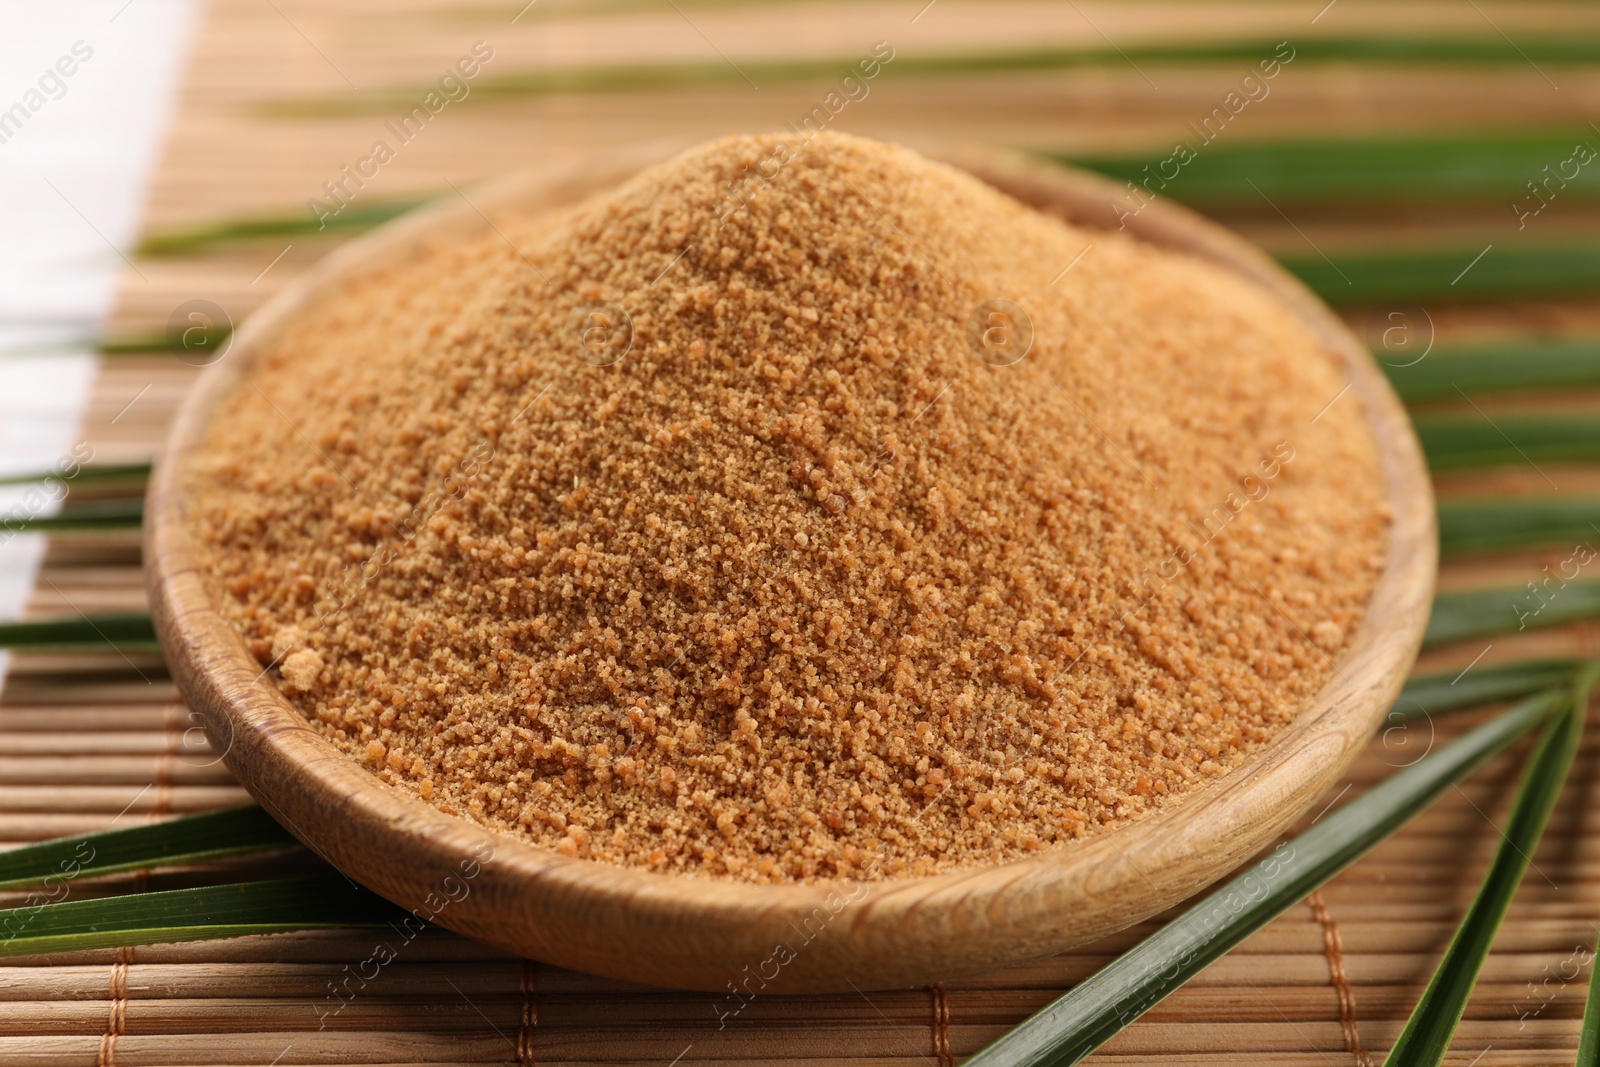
column 1417, row 165
column 1508, row 609
column 1506, row 271
column 1589, row 1035
column 126, row 632
column 92, row 474
column 199, row 338
column 352, row 219
column 1544, row 363
column 120, row 513
column 1426, row 1037
column 1114, row 996
column 1457, row 442
column 185, row 839
column 655, row 77
column 1440, row 694
column 1501, row 524
column 236, row 910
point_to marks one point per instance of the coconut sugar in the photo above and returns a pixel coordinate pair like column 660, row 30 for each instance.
column 731, row 522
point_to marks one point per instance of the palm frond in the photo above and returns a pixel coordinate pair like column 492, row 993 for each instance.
column 1498, row 270
column 1440, row 694
column 1509, row 609
column 1507, row 367
column 184, row 839
column 1426, row 1038
column 655, row 77
column 200, row 338
column 209, row 912
column 124, row 632
column 1477, row 440
column 1589, row 1033
column 1097, row 1008
column 353, row 219
column 1500, row 524
column 1415, row 165
column 121, row 513
column 87, row 475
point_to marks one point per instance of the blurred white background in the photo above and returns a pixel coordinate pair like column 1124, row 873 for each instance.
column 85, row 91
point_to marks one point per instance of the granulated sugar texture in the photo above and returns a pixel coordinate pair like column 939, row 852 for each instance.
column 709, row 526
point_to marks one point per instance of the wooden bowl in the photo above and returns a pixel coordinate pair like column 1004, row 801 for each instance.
column 716, row 935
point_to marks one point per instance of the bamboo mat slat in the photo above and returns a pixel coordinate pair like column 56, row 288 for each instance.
column 91, row 741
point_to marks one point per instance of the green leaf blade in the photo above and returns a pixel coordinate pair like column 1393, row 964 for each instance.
column 1098, row 1007
column 1502, row 525
column 199, row 914
column 123, row 631
column 1426, row 1038
column 93, row 474
column 123, row 513
column 1458, row 442
column 1544, row 363
column 352, row 219
column 1417, row 166
column 184, row 839
column 1451, row 691
column 1589, row 1033
column 1453, row 275
column 655, row 77
column 1507, row 609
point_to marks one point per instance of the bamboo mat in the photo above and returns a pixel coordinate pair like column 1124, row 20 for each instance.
column 88, row 742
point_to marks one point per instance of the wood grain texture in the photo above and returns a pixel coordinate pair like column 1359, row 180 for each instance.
column 709, row 935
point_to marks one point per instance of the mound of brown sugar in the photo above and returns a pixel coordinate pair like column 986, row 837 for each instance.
column 732, row 523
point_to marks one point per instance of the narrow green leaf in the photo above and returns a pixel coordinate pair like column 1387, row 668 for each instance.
column 1499, row 524
column 1439, row 694
column 1415, row 165
column 1508, row 609
column 199, row 339
column 1552, row 48
column 1426, row 1037
column 126, row 632
column 1506, row 271
column 1589, row 1034
column 185, row 839
column 1114, row 996
column 1520, row 366
column 654, row 77
column 302, row 223
column 1476, row 440
column 121, row 513
column 89, row 475
column 201, row 914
